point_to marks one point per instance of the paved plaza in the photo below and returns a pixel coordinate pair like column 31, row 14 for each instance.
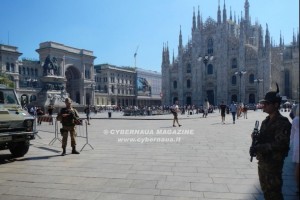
column 142, row 158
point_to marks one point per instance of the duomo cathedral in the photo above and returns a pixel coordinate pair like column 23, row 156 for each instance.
column 229, row 59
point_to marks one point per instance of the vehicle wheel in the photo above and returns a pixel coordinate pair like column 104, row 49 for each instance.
column 19, row 149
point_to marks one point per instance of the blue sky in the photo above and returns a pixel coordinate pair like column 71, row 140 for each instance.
column 113, row 29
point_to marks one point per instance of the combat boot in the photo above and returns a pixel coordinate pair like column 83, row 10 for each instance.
column 64, row 152
column 74, row 151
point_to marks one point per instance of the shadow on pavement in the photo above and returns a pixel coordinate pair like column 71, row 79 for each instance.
column 6, row 158
column 38, row 157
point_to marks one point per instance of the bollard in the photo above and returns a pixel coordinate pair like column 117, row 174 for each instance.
column 109, row 114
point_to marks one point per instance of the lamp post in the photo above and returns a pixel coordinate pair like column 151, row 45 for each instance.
column 240, row 73
column 93, row 94
column 205, row 59
column 258, row 81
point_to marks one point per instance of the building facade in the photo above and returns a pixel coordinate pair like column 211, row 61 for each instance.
column 64, row 71
column 126, row 86
column 148, row 88
column 115, row 85
column 59, row 69
column 225, row 60
column 285, row 69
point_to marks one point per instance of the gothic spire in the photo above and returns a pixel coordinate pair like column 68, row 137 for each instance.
column 260, row 41
column 198, row 19
column 247, row 5
column 234, row 17
column 230, row 17
column 194, row 20
column 294, row 38
column 280, row 40
column 180, row 38
column 173, row 59
column 298, row 38
column 241, row 16
column 163, row 54
column 267, row 37
column 167, row 54
column 219, row 13
column 224, row 13
column 180, row 47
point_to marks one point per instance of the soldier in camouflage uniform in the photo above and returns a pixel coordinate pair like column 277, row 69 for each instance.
column 67, row 116
column 272, row 147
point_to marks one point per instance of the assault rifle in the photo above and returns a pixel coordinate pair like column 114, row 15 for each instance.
column 255, row 134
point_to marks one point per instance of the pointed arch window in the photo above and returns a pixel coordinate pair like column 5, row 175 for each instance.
column 233, row 80
column 233, row 63
column 251, row 78
column 188, row 83
column 188, row 68
column 174, row 84
column 210, row 69
column 210, row 46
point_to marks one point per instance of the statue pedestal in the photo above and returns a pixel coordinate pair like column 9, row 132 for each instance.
column 53, row 92
column 53, row 79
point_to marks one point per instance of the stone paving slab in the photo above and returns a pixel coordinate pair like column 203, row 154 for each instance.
column 209, row 162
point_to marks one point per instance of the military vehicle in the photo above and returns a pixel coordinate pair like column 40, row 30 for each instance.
column 17, row 126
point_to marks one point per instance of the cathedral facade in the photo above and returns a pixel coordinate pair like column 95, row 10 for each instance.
column 226, row 60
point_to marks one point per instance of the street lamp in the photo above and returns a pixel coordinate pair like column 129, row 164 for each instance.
column 93, row 94
column 258, row 81
column 205, row 59
column 240, row 73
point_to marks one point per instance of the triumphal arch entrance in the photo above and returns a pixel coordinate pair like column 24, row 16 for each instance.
column 67, row 72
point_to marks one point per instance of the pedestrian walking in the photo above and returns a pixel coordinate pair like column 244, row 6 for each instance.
column 69, row 117
column 50, row 113
column 245, row 111
column 39, row 113
column 87, row 111
column 205, row 108
column 175, row 110
column 233, row 109
column 272, row 147
column 223, row 110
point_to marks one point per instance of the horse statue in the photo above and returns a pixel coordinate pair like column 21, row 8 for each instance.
column 50, row 66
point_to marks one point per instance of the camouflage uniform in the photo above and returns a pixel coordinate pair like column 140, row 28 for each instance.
column 272, row 148
column 68, row 125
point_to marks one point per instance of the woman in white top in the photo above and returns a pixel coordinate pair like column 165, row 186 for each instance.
column 205, row 108
column 175, row 111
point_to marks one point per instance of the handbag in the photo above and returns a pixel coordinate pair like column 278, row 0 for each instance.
column 173, row 111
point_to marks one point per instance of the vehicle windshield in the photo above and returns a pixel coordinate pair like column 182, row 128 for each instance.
column 8, row 97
